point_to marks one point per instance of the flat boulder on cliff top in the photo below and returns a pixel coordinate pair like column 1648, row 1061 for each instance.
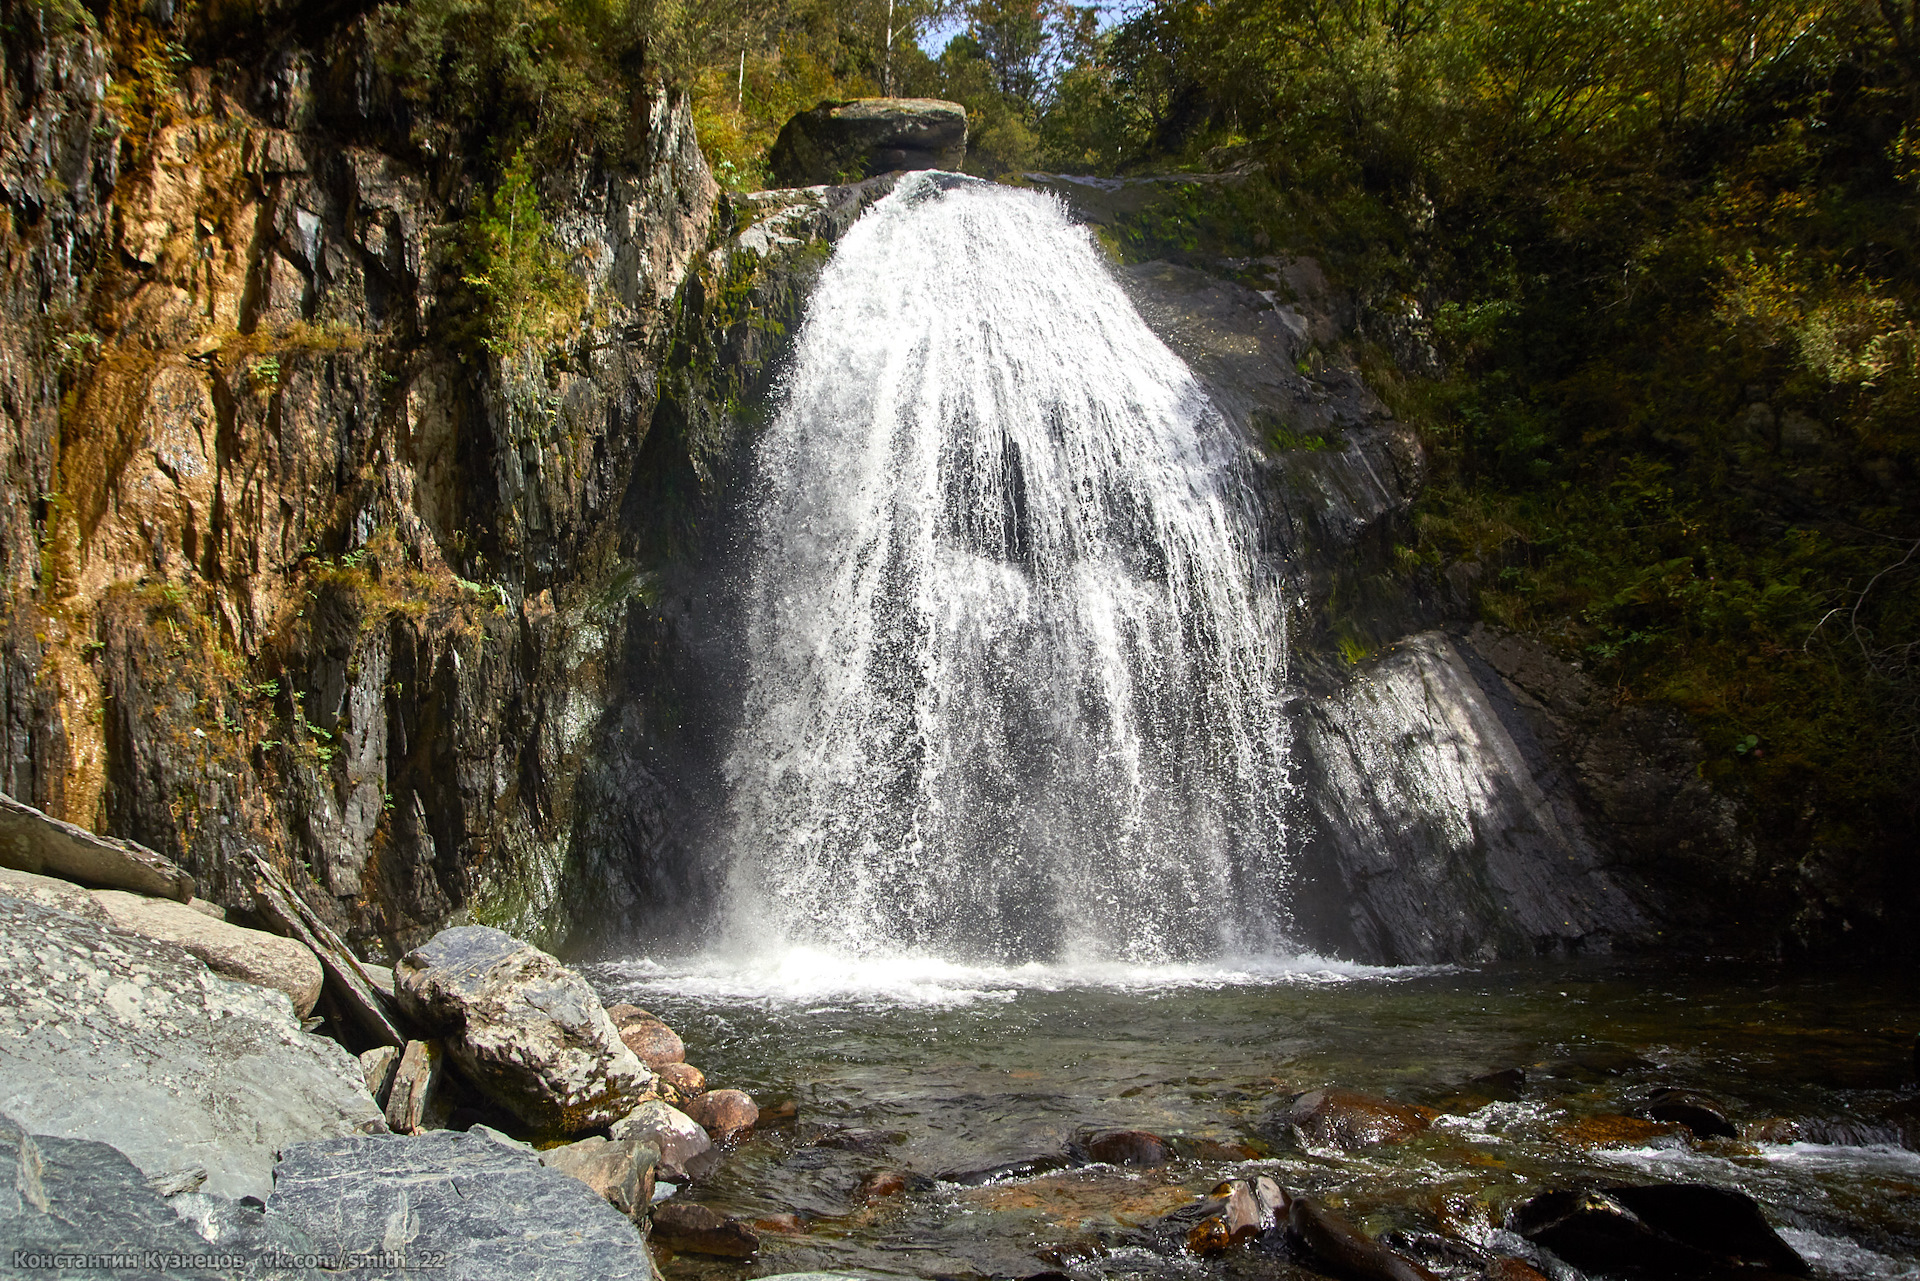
column 525, row 1028
column 109, row 1036
column 848, row 141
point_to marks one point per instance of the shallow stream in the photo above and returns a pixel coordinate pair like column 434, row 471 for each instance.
column 939, row 1070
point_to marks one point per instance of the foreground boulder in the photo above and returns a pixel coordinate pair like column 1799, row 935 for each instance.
column 251, row 956
column 840, row 142
column 1663, row 1230
column 34, row 842
column 462, row 1205
column 75, row 1196
column 525, row 1028
column 110, row 1036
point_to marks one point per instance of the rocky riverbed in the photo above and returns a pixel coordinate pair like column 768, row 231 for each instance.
column 184, row 1084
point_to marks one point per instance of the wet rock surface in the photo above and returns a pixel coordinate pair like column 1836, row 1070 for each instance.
column 695, row 1229
column 113, row 1037
column 1349, row 1119
column 526, row 1029
column 1662, row 1230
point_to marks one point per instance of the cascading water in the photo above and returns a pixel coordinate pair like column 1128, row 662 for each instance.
column 1014, row 667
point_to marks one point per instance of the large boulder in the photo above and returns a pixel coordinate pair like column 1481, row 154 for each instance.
column 251, row 956
column 110, row 1036
column 846, row 141
column 67, row 1197
column 523, row 1027
column 462, row 1205
column 1669, row 1229
column 34, row 842
column 50, row 891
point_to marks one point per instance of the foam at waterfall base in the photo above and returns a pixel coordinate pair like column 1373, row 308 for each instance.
column 810, row 976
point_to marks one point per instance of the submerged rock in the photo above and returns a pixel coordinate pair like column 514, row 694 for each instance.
column 110, row 1036
column 1124, row 1147
column 526, row 1029
column 251, row 956
column 1348, row 1119
column 465, row 1206
column 1705, row 1117
column 847, row 141
column 1341, row 1249
column 694, row 1229
column 1665, row 1229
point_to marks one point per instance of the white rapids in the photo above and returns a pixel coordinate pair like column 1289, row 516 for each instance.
column 1014, row 663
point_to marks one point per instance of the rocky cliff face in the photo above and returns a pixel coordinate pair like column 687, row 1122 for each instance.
column 280, row 571
column 444, row 633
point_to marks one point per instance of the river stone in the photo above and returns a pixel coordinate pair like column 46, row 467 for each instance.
column 525, row 1028
column 722, row 1112
column 1705, row 1117
column 1125, row 1147
column 653, row 1042
column 676, row 1136
column 251, row 956
column 111, row 1036
column 694, row 1229
column 31, row 841
column 687, row 1079
column 482, row 1211
column 621, row 1171
column 1348, row 1119
column 847, row 141
column 76, row 1196
column 1340, row 1248
column 1665, row 1229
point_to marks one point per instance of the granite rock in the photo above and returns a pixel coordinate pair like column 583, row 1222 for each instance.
column 203, row 1071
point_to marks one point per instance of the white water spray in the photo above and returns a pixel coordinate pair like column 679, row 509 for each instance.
column 1014, row 666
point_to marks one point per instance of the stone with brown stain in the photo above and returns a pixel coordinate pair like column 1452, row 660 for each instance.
column 1348, row 1119
column 722, row 1112
column 686, row 1079
column 1608, row 1130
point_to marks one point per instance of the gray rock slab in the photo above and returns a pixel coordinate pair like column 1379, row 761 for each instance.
column 50, row 891
column 77, row 1208
column 34, row 842
column 250, row 956
column 525, row 1028
column 125, row 1040
column 1436, row 833
column 472, row 1209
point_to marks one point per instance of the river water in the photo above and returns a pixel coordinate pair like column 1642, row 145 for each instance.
column 938, row 1069
column 1014, row 686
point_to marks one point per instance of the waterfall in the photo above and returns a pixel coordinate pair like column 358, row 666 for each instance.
column 1013, row 665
